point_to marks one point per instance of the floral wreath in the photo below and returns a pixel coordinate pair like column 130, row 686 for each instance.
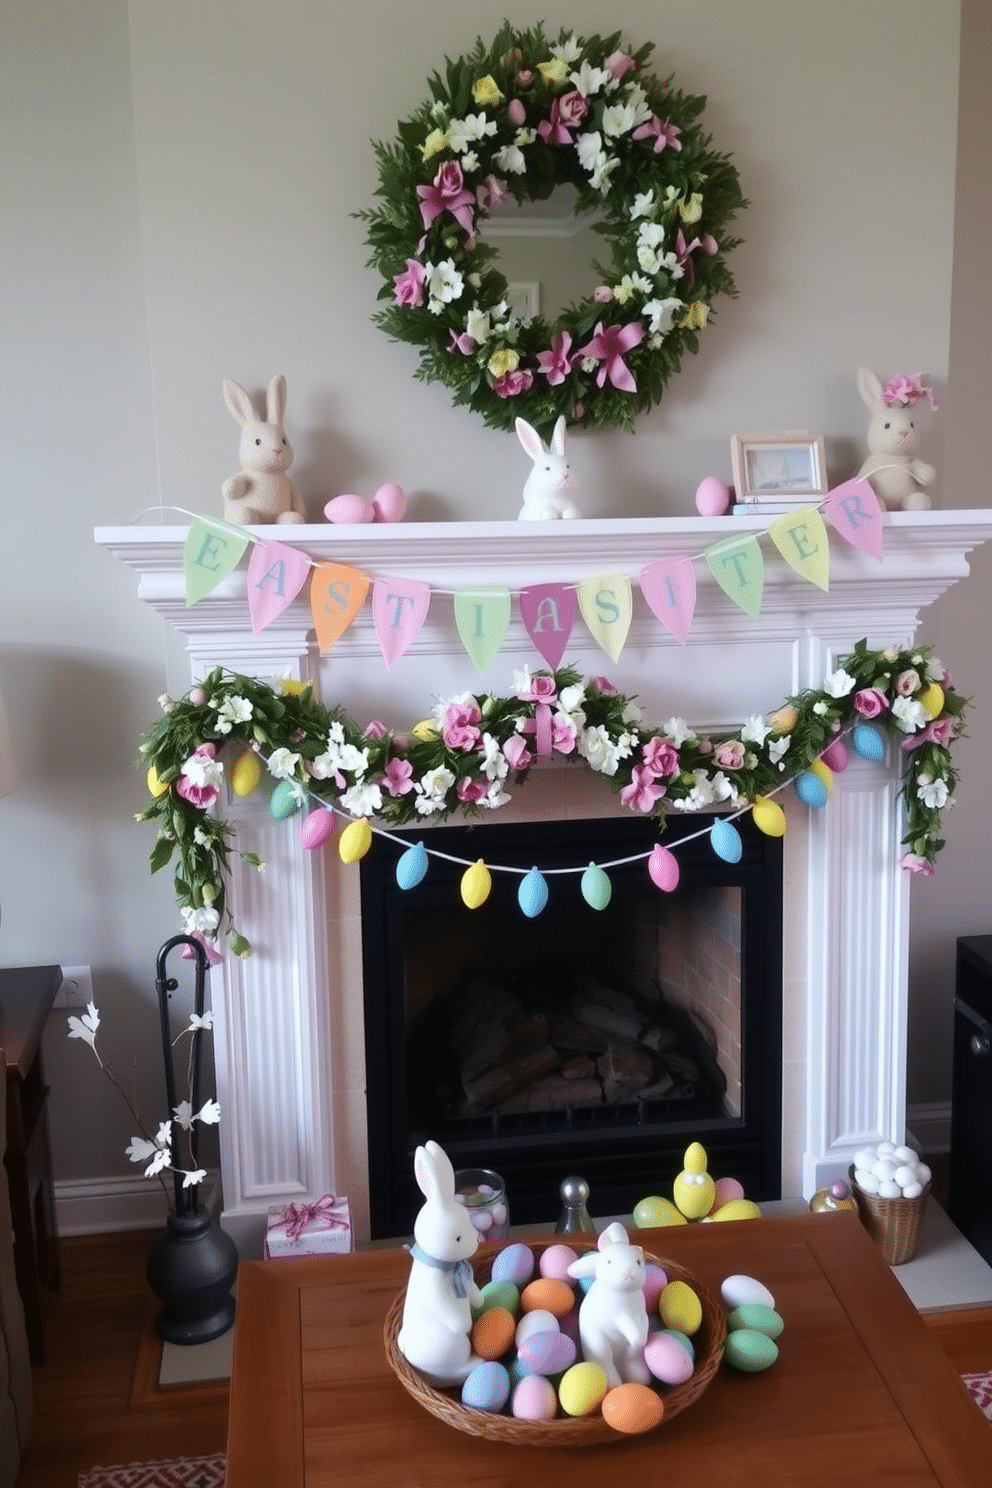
column 464, row 758
column 519, row 118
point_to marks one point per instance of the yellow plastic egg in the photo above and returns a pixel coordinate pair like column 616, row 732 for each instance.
column 246, row 773
column 931, row 700
column 737, row 1209
column 581, row 1389
column 823, row 772
column 693, row 1189
column 654, row 1212
column 768, row 817
column 680, row 1308
column 632, row 1408
column 476, row 884
column 355, row 841
column 783, row 720
column 425, row 731
column 292, row 688
column 695, row 1158
column 155, row 785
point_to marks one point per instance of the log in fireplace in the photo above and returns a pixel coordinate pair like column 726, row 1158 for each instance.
column 598, row 1042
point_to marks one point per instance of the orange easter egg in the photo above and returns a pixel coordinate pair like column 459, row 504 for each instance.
column 632, row 1409
column 547, row 1294
column 492, row 1333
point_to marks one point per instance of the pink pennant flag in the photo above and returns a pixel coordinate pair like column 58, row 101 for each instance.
column 548, row 612
column 276, row 574
column 854, row 511
column 399, row 609
column 669, row 586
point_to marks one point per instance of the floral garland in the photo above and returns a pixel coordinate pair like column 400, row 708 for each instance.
column 519, row 118
column 465, row 757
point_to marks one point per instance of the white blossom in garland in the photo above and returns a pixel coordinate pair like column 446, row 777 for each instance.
column 838, row 684
column 283, row 764
column 233, row 711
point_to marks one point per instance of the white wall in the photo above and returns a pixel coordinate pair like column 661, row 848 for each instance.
column 183, row 177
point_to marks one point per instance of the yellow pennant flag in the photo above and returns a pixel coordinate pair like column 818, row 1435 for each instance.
column 606, row 605
column 337, row 593
column 801, row 538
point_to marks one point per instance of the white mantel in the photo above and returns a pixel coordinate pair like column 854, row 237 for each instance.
column 289, row 1042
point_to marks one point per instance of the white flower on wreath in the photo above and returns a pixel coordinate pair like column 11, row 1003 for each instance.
column 642, row 205
column 568, row 50
column 933, row 793
column 444, row 282
column 363, row 799
column 494, row 763
column 707, row 791
column 233, row 711
column 755, row 730
column 600, row 752
column 200, row 769
column 909, row 714
column 660, row 315
column 571, row 699
column 679, row 732
column 467, row 131
column 510, row 160
column 638, row 101
column 839, row 683
column 494, row 797
column 589, row 148
column 778, row 749
column 618, row 119
column 477, row 324
column 589, row 80
column 632, row 713
column 283, row 764
column 202, row 920
column 432, row 790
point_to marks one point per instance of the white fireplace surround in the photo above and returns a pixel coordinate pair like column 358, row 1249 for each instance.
column 289, row 1041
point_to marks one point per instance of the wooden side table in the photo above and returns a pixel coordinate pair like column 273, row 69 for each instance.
column 26, row 997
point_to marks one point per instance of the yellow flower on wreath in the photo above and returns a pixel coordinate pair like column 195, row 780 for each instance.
column 485, row 91
column 555, row 71
column 695, row 316
column 437, row 140
column 504, row 360
column 691, row 208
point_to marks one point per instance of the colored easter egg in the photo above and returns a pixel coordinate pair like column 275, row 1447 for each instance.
column 683, row 1340
column 667, row 1360
column 246, row 773
column 783, row 720
column 768, row 816
column 596, row 887
column 740, row 1290
column 582, row 1388
column 868, row 742
column 318, row 828
column 725, row 841
column 931, row 699
column 532, row 895
column 663, row 866
column 549, row 1295
column 286, row 799
column 712, row 497
column 547, row 1352
column 389, row 503
column 492, row 1332
column 476, row 884
column 725, row 1189
column 426, row 730
column 823, row 772
column 695, row 1159
column 654, row 1212
column 632, row 1408
column 514, row 1263
column 538, row 1321
column 155, row 786
column 355, row 841
column 348, row 509
column 502, row 1294
column 810, row 789
column 749, row 1351
column 412, row 866
column 555, row 1261
column 737, row 1209
column 487, row 1387
column 534, row 1399
column 836, row 756
column 655, row 1282
column 679, row 1307
column 755, row 1315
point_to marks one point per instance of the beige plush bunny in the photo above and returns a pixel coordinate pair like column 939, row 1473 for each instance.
column 262, row 491
column 892, row 467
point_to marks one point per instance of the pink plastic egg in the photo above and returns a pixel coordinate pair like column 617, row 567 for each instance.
column 389, row 503
column 349, row 510
column 667, row 1360
column 318, row 828
column 836, row 756
column 555, row 1261
column 724, row 1190
column 546, row 1353
column 534, row 1399
column 663, row 866
column 655, row 1282
column 712, row 497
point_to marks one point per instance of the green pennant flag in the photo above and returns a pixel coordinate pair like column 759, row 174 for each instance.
column 212, row 550
column 482, row 616
column 737, row 565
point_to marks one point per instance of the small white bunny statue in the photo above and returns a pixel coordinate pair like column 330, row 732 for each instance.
column 441, row 1290
column 550, row 487
column 613, row 1319
column 262, row 491
column 892, row 467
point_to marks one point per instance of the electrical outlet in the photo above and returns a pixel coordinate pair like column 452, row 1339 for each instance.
column 76, row 989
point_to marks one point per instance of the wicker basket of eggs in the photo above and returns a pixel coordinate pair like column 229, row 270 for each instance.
column 891, row 1186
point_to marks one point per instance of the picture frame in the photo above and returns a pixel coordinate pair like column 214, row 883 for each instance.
column 776, row 467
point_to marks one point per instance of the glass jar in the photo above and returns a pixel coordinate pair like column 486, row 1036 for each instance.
column 483, row 1193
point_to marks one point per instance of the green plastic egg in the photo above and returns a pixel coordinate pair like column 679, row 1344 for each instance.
column 750, row 1351
column 757, row 1316
column 499, row 1294
column 287, row 799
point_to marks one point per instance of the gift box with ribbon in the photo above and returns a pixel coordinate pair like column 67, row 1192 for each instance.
column 321, row 1227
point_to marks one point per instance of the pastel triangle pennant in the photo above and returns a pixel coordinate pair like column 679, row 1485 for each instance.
column 669, row 586
column 548, row 613
column 211, row 551
column 606, row 604
column 482, row 616
column 854, row 511
column 337, row 593
column 276, row 574
column 801, row 538
column 738, row 567
column 399, row 609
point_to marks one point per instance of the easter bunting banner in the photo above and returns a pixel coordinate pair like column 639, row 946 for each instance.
column 278, row 573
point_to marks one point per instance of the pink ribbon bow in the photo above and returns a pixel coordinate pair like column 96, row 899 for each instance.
column 540, row 727
column 610, row 346
column 296, row 1217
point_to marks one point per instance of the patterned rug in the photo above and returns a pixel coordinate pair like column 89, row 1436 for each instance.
column 178, row 1472
column 980, row 1386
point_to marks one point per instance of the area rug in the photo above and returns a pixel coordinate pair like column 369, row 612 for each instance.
column 980, row 1386
column 177, row 1472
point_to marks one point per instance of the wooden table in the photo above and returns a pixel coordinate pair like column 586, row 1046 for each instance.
column 860, row 1393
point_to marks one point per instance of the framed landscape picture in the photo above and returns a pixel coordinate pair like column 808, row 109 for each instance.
column 768, row 467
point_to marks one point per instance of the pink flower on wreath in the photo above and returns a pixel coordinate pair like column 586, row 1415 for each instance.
column 937, row 732
column 461, row 722
column 907, row 683
column 398, row 777
column 562, row 734
column 464, row 343
column 512, row 384
column 541, row 690
column 567, row 113
column 664, row 135
column 618, row 64
column 729, row 755
column 603, row 685
column 375, row 729
column 913, row 863
column 609, row 345
column 468, row 790
column 870, row 702
column 199, row 778
column 556, row 364
column 490, row 192
column 408, row 287
column 516, row 753
column 660, row 757
column 643, row 790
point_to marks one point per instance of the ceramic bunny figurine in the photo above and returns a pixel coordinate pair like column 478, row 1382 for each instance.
column 262, row 491
column 550, row 487
column 895, row 473
column 613, row 1319
column 441, row 1290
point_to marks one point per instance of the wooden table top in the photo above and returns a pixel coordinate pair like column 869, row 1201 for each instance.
column 860, row 1392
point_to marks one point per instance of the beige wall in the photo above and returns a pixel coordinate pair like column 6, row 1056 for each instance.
column 177, row 184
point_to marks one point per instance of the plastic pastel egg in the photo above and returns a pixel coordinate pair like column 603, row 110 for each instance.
column 712, row 497
column 695, row 1159
column 755, row 1315
column 549, row 1295
column 655, row 1282
column 725, row 841
column 750, row 1351
column 683, row 1340
column 740, row 1291
column 555, row 1261
column 155, row 786
column 412, row 866
column 823, row 772
column 783, row 720
column 246, row 773
column 355, row 841
column 596, row 887
column 581, row 1389
column 476, row 884
column 318, row 828
column 931, row 699
column 810, row 789
column 654, row 1212
column 538, row 1321
column 663, row 866
column 534, row 1399
column 487, row 1387
column 547, row 1353
column 679, row 1307
column 389, row 503
column 632, row 1409
column 693, row 1194
column 514, row 1263
column 836, row 756
column 286, row 799
column 667, row 1360
column 737, row 1209
column 768, row 816
column 725, row 1190
column 492, row 1332
column 868, row 742
column 501, row 1294
column 348, row 509
column 532, row 895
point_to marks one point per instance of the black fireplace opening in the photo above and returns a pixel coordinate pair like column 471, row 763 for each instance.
column 598, row 1042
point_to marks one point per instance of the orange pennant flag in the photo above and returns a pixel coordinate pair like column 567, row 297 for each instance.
column 337, row 593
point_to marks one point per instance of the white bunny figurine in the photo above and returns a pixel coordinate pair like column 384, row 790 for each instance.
column 441, row 1290
column 262, row 491
column 549, row 488
column 613, row 1319
column 895, row 473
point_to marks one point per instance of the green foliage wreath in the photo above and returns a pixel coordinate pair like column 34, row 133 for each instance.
column 519, row 117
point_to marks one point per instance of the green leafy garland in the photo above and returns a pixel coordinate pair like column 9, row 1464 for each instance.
column 519, row 117
column 232, row 728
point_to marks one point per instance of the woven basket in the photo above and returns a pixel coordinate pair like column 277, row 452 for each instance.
column 893, row 1224
column 564, row 1431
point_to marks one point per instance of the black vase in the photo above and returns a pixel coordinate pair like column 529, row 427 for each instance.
column 192, row 1270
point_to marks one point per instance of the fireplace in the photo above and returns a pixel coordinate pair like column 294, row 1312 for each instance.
column 582, row 1040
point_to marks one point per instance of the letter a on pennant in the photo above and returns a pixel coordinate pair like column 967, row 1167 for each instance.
column 337, row 593
column 801, row 538
column 548, row 613
column 854, row 511
column 482, row 616
column 399, row 609
column 669, row 586
column 739, row 569
column 607, row 605
column 276, row 574
column 212, row 550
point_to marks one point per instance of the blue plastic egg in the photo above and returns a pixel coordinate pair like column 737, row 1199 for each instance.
column 868, row 742
column 810, row 789
column 412, row 866
column 487, row 1387
column 726, row 841
column 514, row 1263
column 532, row 894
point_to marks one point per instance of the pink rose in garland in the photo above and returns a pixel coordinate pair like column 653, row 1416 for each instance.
column 643, row 790
column 660, row 757
column 201, row 777
column 870, row 702
column 461, row 729
column 408, row 287
column 730, row 755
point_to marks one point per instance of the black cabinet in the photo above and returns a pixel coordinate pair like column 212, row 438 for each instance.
column 970, row 1179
